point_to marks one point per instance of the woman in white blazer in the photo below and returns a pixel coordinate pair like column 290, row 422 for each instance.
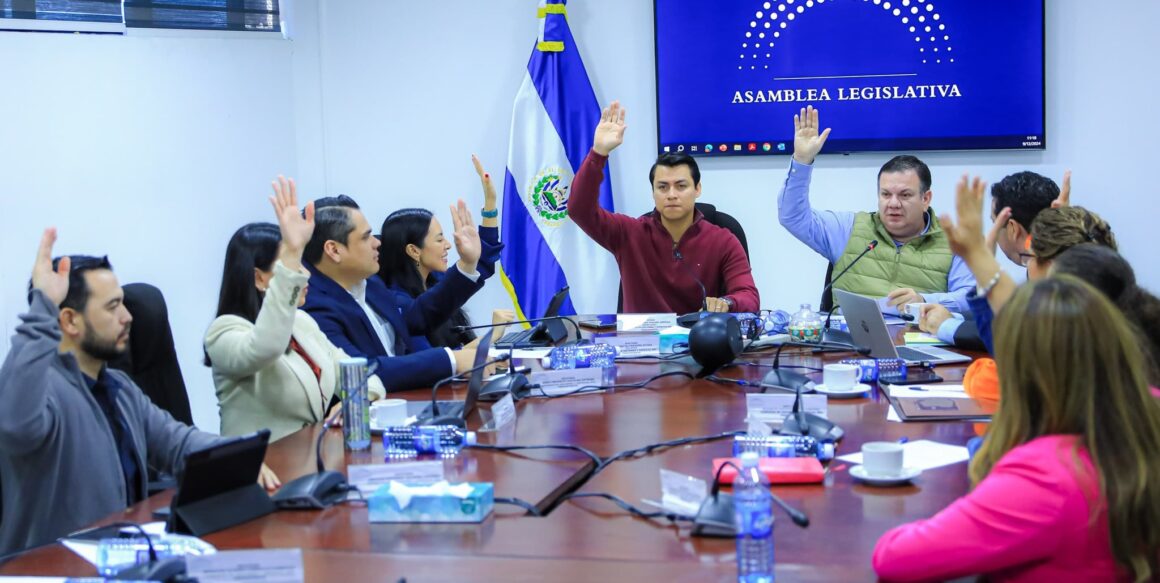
column 272, row 366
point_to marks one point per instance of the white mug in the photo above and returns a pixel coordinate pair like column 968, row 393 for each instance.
column 389, row 413
column 840, row 377
column 882, row 458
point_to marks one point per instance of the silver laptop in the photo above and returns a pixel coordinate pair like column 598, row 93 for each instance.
column 868, row 328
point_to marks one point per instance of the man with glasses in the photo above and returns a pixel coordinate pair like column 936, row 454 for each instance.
column 1015, row 202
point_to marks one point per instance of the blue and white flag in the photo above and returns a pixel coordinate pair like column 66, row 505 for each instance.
column 553, row 120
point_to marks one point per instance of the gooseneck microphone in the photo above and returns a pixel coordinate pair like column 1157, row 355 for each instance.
column 454, row 377
column 794, row 381
column 538, row 321
column 688, row 320
column 715, row 517
column 838, row 335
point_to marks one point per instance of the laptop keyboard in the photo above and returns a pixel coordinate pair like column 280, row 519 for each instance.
column 906, row 353
column 516, row 339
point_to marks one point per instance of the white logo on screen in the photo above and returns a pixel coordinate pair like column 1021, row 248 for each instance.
column 773, row 20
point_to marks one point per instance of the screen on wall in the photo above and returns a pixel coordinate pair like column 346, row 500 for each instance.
column 884, row 74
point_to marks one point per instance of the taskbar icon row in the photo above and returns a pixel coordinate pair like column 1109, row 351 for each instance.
column 729, row 148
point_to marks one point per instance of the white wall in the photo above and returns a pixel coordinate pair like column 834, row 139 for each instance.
column 412, row 88
column 151, row 150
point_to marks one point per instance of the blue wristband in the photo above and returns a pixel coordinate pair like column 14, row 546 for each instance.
column 489, row 214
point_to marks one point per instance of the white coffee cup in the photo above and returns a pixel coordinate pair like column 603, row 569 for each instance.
column 882, row 458
column 389, row 413
column 840, row 377
column 915, row 309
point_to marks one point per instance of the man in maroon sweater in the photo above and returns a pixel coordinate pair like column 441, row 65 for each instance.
column 663, row 254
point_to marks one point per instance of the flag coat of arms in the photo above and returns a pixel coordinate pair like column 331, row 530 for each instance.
column 553, row 120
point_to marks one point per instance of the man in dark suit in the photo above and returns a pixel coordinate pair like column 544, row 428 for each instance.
column 359, row 315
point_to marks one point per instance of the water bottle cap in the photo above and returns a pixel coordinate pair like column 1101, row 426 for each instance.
column 749, row 459
column 469, row 438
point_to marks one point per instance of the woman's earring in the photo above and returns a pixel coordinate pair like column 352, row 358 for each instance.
column 417, row 264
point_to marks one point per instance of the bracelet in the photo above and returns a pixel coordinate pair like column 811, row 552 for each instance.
column 489, row 214
column 982, row 292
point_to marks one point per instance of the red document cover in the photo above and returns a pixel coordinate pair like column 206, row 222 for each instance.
column 778, row 470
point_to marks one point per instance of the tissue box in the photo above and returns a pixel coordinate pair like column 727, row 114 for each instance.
column 674, row 335
column 439, row 502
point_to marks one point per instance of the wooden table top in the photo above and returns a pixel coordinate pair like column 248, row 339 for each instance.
column 591, row 539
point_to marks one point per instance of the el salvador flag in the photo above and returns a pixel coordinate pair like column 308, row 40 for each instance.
column 554, row 117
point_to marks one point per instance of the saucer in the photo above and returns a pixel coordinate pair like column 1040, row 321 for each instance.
column 907, row 475
column 853, row 392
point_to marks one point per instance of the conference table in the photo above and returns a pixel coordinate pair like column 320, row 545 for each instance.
column 592, row 539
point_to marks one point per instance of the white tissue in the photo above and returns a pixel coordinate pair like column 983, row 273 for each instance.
column 404, row 493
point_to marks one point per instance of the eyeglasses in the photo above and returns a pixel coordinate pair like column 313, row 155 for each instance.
column 1025, row 258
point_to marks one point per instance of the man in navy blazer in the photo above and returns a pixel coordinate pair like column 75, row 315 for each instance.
column 359, row 315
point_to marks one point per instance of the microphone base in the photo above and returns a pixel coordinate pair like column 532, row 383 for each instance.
column 787, row 380
column 815, row 426
column 715, row 517
column 689, row 320
column 839, row 336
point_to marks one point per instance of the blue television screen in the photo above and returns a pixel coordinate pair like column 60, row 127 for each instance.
column 896, row 75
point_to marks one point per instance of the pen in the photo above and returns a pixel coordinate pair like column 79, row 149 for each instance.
column 903, row 439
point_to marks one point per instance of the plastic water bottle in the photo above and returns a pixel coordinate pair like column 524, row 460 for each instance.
column 356, row 406
column 753, row 517
column 116, row 554
column 441, row 440
column 783, row 446
column 806, row 325
column 581, row 356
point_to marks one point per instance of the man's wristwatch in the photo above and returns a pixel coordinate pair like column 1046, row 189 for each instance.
column 489, row 214
column 728, row 302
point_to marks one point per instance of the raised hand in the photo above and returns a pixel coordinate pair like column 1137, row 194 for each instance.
column 966, row 237
column 53, row 283
column 466, row 238
column 997, row 227
column 296, row 228
column 485, row 181
column 1064, row 198
column 610, row 130
column 807, row 142
column 488, row 193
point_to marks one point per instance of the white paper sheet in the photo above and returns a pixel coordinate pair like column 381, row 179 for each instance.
column 923, row 454
column 536, row 353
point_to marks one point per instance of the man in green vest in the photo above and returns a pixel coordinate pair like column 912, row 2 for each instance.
column 912, row 263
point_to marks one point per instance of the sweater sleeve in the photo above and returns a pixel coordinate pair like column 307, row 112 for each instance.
column 606, row 228
column 238, row 349
column 28, row 412
column 1012, row 518
column 167, row 440
column 826, row 232
column 738, row 277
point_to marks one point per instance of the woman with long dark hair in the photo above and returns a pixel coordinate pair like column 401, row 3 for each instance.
column 413, row 257
column 1108, row 271
column 272, row 366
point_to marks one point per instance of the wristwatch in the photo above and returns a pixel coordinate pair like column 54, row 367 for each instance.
column 728, row 301
column 489, row 214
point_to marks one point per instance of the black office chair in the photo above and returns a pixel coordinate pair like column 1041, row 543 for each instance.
column 713, row 217
column 151, row 362
column 725, row 220
column 827, row 302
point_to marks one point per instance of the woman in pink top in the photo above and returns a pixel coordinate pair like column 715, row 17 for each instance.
column 1066, row 484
